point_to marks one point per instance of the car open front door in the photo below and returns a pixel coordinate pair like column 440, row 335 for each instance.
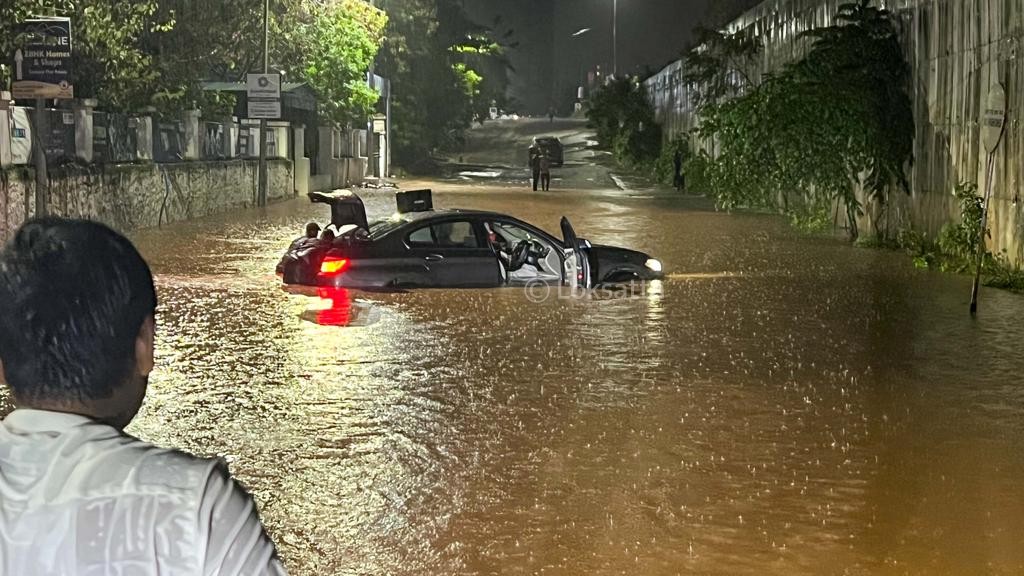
column 576, row 268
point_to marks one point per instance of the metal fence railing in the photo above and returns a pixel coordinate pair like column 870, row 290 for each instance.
column 115, row 138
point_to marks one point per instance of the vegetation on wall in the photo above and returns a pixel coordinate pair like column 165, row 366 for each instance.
column 623, row 118
column 808, row 138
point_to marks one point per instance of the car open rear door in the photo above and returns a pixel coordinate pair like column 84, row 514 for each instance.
column 577, row 267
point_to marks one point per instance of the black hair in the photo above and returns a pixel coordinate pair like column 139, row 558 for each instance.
column 73, row 296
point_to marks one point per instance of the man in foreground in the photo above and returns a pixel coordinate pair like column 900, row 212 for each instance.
column 78, row 496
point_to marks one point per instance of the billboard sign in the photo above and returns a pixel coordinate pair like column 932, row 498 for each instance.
column 42, row 59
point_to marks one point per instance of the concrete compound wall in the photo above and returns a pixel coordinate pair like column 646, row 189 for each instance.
column 956, row 50
column 135, row 196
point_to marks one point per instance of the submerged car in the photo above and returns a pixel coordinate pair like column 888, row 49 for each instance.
column 420, row 247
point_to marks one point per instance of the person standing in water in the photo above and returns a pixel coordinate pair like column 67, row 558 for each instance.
column 535, row 163
column 545, row 172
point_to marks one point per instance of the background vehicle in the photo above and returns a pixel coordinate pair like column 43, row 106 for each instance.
column 552, row 146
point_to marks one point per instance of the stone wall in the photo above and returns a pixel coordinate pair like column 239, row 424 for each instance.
column 956, row 50
column 132, row 196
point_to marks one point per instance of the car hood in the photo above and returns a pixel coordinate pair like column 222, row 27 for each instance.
column 616, row 255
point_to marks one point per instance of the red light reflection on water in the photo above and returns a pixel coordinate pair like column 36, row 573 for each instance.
column 336, row 307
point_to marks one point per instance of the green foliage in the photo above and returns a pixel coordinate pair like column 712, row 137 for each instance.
column 664, row 166
column 811, row 135
column 811, row 219
column 961, row 240
column 956, row 249
column 697, row 168
column 623, row 119
column 1000, row 273
column 343, row 40
column 445, row 71
column 720, row 65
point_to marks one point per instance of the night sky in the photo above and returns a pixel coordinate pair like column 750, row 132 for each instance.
column 550, row 62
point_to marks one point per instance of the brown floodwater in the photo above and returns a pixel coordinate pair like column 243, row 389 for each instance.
column 777, row 405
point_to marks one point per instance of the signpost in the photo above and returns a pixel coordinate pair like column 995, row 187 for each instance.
column 993, row 125
column 265, row 88
column 42, row 70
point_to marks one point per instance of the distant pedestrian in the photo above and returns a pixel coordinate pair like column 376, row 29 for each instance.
column 535, row 155
column 545, row 172
column 551, row 114
column 677, row 162
column 77, row 494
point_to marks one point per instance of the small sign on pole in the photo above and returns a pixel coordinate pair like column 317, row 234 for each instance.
column 994, row 120
column 265, row 109
column 993, row 125
column 263, row 86
column 263, row 93
column 42, row 59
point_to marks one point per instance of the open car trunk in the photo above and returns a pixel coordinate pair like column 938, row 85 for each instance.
column 346, row 208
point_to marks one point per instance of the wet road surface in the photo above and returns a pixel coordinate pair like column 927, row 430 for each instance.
column 777, row 405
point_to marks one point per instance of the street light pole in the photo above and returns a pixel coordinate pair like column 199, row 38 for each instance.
column 580, row 79
column 615, row 37
column 261, row 198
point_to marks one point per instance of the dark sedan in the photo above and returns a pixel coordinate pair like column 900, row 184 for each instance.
column 420, row 248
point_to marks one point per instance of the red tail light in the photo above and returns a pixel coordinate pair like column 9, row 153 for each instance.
column 332, row 266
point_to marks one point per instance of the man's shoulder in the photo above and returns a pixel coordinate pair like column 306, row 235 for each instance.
column 174, row 469
column 147, row 468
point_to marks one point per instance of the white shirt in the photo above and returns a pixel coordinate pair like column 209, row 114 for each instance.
column 80, row 498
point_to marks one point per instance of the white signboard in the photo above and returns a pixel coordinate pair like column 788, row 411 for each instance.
column 21, row 136
column 993, row 121
column 263, row 86
column 265, row 109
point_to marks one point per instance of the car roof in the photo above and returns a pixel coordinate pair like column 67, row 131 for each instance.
column 411, row 217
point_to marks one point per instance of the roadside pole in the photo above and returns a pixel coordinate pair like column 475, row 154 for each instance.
column 992, row 129
column 261, row 197
column 39, row 128
column 42, row 71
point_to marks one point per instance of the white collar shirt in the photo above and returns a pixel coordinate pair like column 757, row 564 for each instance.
column 80, row 498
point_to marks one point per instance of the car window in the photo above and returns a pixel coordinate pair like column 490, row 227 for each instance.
column 422, row 236
column 459, row 234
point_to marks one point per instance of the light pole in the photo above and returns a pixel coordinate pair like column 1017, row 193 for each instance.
column 615, row 37
column 579, row 60
column 261, row 197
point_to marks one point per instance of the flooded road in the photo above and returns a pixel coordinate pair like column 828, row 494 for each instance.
column 777, row 405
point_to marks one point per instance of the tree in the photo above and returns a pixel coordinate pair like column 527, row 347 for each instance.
column 343, row 41
column 720, row 65
column 435, row 56
column 158, row 52
column 623, row 119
